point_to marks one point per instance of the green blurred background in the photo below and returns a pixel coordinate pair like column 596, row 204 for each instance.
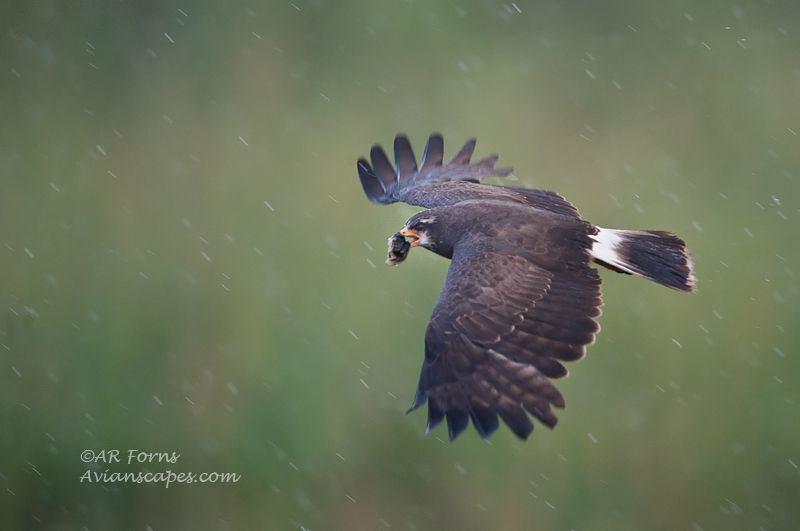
column 189, row 264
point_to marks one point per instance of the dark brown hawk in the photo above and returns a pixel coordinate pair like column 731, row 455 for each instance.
column 520, row 296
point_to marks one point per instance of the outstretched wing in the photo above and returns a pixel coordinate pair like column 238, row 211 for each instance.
column 502, row 327
column 435, row 183
column 386, row 184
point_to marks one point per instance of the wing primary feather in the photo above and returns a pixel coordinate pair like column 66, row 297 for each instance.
column 484, row 419
column 517, row 420
column 545, row 416
column 457, row 420
column 435, row 415
column 419, row 400
column 404, row 159
column 489, row 160
column 489, row 163
column 382, row 167
column 433, row 155
column 373, row 186
column 465, row 153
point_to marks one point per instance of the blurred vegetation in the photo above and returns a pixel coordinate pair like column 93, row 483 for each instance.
column 189, row 263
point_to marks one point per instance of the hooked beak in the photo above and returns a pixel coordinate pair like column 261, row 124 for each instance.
column 412, row 235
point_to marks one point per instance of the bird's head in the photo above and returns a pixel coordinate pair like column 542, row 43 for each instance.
column 420, row 229
column 425, row 229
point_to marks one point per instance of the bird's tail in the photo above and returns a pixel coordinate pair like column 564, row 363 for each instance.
column 655, row 255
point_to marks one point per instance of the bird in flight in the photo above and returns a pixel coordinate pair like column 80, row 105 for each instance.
column 520, row 297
